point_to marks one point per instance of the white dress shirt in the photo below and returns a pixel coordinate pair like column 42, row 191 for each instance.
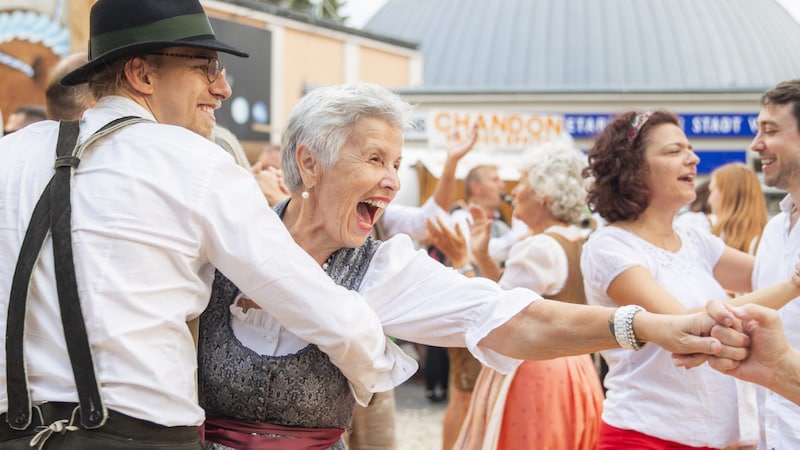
column 154, row 209
column 778, row 251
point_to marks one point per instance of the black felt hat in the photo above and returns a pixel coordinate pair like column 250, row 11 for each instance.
column 120, row 28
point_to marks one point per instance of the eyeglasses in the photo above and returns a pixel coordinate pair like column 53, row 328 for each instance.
column 213, row 69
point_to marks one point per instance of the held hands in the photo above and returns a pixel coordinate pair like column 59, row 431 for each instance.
column 693, row 337
column 769, row 349
column 756, row 323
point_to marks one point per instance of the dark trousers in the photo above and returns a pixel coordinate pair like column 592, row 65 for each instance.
column 119, row 432
column 436, row 368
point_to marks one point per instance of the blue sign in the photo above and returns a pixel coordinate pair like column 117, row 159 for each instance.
column 720, row 125
column 711, row 159
column 694, row 125
column 586, row 125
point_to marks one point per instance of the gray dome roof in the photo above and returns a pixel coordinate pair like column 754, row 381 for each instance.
column 597, row 45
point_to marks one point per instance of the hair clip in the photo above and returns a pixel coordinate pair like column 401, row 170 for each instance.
column 636, row 125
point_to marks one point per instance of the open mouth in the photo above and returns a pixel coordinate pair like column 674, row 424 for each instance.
column 688, row 178
column 368, row 210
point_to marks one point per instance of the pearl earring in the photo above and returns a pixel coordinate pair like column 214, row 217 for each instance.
column 304, row 195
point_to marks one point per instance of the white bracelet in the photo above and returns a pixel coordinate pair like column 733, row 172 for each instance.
column 622, row 326
column 465, row 269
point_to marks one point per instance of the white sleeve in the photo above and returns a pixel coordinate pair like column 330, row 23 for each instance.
column 538, row 263
column 410, row 220
column 607, row 253
column 247, row 242
column 420, row 300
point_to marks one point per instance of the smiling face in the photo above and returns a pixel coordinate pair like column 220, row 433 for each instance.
column 672, row 167
column 778, row 145
column 352, row 195
column 182, row 94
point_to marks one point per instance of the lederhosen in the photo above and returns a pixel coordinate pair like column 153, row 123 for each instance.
column 86, row 425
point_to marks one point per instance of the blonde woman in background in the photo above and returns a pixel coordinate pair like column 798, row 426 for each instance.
column 738, row 205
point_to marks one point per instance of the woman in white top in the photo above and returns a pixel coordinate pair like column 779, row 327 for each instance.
column 553, row 404
column 644, row 170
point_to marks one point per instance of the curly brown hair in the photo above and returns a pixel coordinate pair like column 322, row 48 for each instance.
column 618, row 166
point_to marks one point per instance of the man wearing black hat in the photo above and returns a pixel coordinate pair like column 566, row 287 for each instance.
column 113, row 254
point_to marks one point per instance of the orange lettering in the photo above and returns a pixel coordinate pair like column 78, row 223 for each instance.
column 498, row 123
column 439, row 122
column 460, row 121
column 514, row 124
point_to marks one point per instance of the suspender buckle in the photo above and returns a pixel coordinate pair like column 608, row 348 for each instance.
column 67, row 161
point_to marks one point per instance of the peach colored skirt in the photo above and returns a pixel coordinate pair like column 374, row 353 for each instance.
column 554, row 404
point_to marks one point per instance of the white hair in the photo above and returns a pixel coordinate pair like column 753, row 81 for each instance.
column 555, row 170
column 324, row 119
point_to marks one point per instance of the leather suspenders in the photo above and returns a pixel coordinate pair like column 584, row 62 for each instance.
column 52, row 215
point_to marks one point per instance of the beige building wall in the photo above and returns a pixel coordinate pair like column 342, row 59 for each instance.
column 79, row 24
column 384, row 68
column 308, row 60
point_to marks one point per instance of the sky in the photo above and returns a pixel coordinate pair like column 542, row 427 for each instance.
column 360, row 11
column 793, row 6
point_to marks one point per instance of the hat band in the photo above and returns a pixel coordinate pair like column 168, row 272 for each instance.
column 166, row 30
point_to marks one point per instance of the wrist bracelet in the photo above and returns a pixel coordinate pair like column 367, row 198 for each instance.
column 464, row 269
column 621, row 326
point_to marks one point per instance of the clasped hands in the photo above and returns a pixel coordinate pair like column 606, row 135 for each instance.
column 754, row 346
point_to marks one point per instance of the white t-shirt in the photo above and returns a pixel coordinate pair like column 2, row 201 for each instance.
column 646, row 391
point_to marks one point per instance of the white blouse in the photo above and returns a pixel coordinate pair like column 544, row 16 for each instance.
column 539, row 262
column 646, row 391
column 417, row 299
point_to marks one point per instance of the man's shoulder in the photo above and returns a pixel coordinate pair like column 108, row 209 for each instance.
column 158, row 134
